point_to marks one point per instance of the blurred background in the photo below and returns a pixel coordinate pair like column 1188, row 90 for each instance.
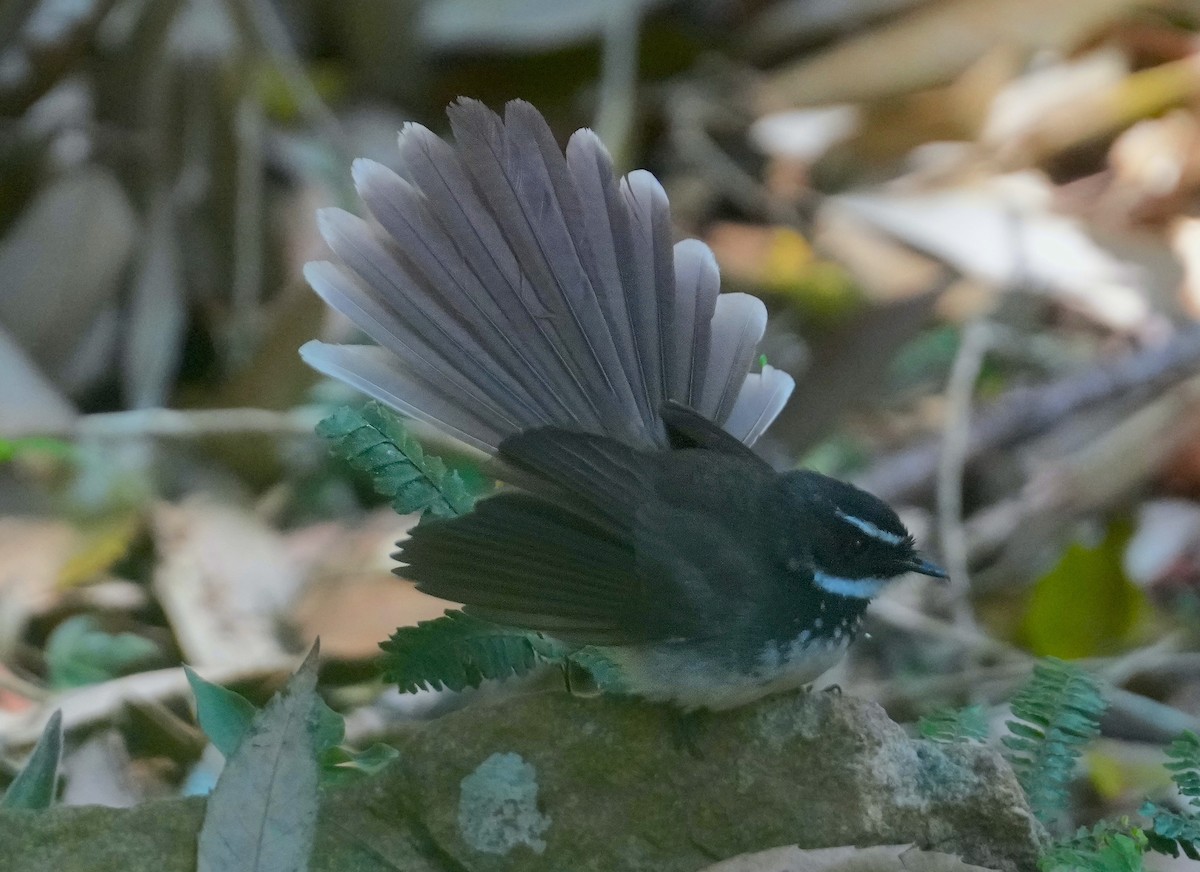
column 976, row 224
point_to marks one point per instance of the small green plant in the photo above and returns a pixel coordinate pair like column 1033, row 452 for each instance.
column 227, row 717
column 374, row 441
column 1106, row 847
column 1056, row 714
column 36, row 785
column 1172, row 832
column 967, row 724
column 457, row 651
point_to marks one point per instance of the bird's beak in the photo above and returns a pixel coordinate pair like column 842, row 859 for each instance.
column 920, row 565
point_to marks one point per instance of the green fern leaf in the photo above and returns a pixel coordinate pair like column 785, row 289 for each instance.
column 1172, row 832
column 375, row 441
column 1183, row 757
column 605, row 674
column 955, row 725
column 1059, row 713
column 458, row 651
column 1107, row 847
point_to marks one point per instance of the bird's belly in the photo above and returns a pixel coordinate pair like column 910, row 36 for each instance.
column 695, row 675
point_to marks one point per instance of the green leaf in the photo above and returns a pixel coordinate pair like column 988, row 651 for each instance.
column 11, row 449
column 224, row 716
column 458, row 651
column 330, row 727
column 604, row 672
column 78, row 653
column 955, row 725
column 36, row 785
column 339, row 765
column 261, row 816
column 1172, row 832
column 1085, row 605
column 374, row 441
column 1109, row 846
column 1059, row 713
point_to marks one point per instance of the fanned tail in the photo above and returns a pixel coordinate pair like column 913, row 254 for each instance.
column 511, row 286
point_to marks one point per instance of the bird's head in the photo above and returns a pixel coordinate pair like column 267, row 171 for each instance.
column 857, row 542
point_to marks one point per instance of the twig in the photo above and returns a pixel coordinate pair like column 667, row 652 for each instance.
column 1148, row 719
column 696, row 146
column 98, row 703
column 271, row 34
column 976, row 339
column 186, row 424
column 1026, row 412
column 618, row 78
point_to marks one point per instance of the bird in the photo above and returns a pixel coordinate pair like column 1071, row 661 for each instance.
column 534, row 306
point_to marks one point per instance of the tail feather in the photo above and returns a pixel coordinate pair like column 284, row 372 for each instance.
column 452, row 286
column 382, row 376
column 485, row 256
column 737, row 326
column 520, row 287
column 698, row 282
column 761, row 399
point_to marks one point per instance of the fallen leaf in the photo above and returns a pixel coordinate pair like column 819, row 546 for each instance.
column 224, row 580
column 354, row 601
column 932, row 45
column 33, row 553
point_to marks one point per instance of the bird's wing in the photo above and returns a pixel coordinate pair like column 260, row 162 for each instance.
column 520, row 560
column 687, row 428
column 613, row 545
column 558, row 559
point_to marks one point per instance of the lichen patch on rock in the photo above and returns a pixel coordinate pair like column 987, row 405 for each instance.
column 498, row 806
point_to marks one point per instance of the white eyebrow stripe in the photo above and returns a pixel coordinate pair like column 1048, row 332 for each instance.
column 870, row 529
column 857, row 588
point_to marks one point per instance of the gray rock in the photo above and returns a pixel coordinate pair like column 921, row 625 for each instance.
column 550, row 782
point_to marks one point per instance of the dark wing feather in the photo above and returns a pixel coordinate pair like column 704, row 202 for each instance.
column 687, row 428
column 520, row 560
column 593, row 475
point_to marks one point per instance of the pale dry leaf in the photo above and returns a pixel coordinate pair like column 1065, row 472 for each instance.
column 97, row 773
column 880, row 858
column 932, row 45
column 1026, row 104
column 1104, row 110
column 1166, row 541
column 804, row 134
column 224, row 580
column 100, row 703
column 33, row 553
column 1155, row 165
column 353, row 600
column 1002, row 231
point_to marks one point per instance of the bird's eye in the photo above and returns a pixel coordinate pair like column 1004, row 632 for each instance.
column 860, row 544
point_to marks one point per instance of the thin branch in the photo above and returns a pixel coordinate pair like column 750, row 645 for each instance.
column 976, row 339
column 185, row 424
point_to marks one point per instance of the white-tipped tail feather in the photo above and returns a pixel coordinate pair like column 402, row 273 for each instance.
column 510, row 286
